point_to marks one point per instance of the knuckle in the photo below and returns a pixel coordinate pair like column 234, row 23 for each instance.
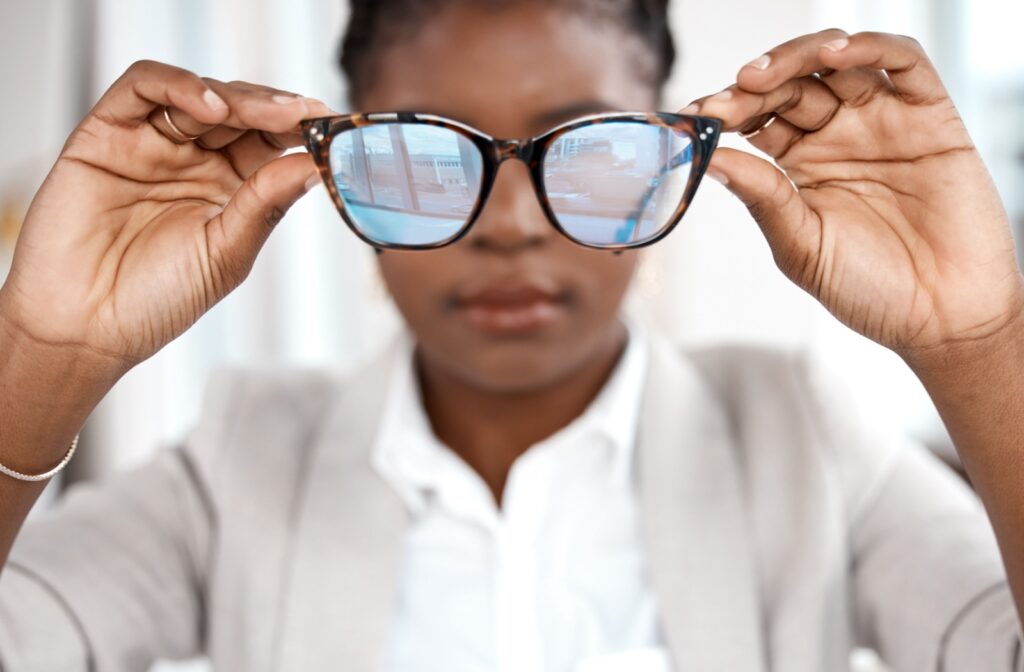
column 149, row 70
column 271, row 140
column 793, row 97
column 911, row 43
column 269, row 212
column 273, row 216
column 874, row 36
column 247, row 108
column 758, row 211
column 143, row 66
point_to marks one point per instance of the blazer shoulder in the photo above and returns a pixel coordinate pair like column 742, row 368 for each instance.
column 260, row 421
column 787, row 406
column 777, row 392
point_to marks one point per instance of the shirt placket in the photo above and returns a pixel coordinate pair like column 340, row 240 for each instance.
column 517, row 627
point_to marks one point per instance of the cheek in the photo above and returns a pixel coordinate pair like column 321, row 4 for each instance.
column 604, row 280
column 416, row 281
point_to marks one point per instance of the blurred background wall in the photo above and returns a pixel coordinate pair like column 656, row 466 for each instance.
column 313, row 298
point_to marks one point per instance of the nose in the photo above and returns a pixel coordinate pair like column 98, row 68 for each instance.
column 512, row 219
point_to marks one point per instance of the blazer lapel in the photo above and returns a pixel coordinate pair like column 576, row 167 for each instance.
column 338, row 606
column 695, row 527
column 339, row 603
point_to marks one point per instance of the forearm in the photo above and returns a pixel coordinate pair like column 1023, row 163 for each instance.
column 46, row 393
column 978, row 389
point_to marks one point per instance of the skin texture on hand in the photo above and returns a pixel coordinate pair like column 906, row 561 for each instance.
column 880, row 206
column 136, row 233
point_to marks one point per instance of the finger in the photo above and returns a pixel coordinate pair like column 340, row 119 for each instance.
column 258, row 107
column 176, row 125
column 790, row 227
column 147, row 85
column 776, row 138
column 252, row 107
column 907, row 67
column 806, row 103
column 255, row 148
column 910, row 71
column 222, row 136
column 238, row 233
column 255, row 106
column 798, row 57
column 219, row 137
column 856, row 86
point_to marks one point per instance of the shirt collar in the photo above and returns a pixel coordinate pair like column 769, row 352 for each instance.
column 410, row 457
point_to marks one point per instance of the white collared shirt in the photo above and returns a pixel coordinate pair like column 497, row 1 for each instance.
column 556, row 579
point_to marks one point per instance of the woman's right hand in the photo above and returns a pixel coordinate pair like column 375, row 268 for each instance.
column 137, row 231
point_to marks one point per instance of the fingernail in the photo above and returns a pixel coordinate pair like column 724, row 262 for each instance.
column 760, row 63
column 313, row 180
column 837, row 45
column 718, row 176
column 284, row 99
column 213, row 101
column 692, row 108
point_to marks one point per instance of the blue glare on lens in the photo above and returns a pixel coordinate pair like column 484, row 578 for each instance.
column 408, row 184
column 617, row 182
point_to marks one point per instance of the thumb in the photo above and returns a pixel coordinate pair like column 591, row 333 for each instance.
column 792, row 229
column 238, row 233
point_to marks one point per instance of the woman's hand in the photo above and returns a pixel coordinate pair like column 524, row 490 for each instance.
column 894, row 223
column 138, row 230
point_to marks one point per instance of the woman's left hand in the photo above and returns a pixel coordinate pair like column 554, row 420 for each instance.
column 894, row 223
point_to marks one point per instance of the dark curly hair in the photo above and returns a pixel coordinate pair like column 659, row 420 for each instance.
column 373, row 24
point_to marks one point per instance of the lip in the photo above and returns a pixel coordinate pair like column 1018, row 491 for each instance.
column 512, row 306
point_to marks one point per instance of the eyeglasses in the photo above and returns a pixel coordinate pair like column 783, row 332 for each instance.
column 411, row 181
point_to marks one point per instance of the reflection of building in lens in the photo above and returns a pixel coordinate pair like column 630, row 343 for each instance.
column 385, row 176
column 571, row 146
column 616, row 182
column 438, row 173
column 386, row 167
column 607, row 166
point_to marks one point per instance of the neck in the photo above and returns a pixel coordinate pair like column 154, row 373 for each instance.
column 489, row 429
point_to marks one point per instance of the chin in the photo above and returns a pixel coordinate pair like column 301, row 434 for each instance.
column 510, row 366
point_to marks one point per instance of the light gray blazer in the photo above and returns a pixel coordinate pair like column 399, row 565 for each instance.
column 780, row 531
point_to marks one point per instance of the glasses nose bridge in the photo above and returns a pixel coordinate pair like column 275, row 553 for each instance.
column 516, row 148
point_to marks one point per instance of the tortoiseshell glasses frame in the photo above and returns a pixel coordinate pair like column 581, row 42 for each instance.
column 703, row 133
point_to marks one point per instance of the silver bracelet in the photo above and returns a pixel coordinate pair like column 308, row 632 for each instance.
column 49, row 474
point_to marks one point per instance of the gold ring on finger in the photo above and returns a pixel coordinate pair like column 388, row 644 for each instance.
column 768, row 122
column 181, row 137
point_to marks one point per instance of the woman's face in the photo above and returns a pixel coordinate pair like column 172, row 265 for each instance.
column 513, row 306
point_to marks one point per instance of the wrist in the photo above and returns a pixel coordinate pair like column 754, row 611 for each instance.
column 997, row 349
column 24, row 348
column 46, row 393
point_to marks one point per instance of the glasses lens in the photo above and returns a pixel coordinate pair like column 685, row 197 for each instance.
column 617, row 183
column 406, row 184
